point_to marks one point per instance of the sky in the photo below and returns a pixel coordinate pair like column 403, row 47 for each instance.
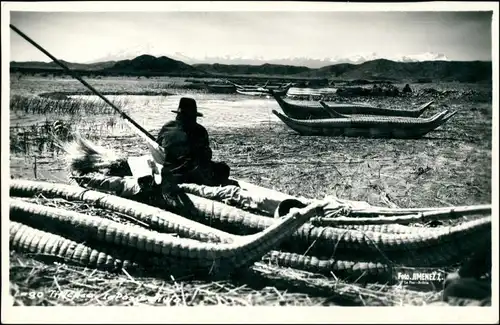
column 88, row 36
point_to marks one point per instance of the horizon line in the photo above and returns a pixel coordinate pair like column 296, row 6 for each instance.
column 255, row 64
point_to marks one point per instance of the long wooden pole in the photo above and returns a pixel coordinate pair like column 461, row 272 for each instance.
column 157, row 151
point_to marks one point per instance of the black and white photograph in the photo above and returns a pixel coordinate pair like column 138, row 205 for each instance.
column 250, row 154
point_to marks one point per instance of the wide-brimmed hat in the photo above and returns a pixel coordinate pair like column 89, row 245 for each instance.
column 187, row 106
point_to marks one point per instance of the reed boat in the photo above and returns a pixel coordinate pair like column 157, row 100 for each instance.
column 221, row 88
column 248, row 87
column 296, row 92
column 303, row 110
column 252, row 92
column 368, row 126
column 280, row 86
column 280, row 92
column 262, row 91
column 333, row 113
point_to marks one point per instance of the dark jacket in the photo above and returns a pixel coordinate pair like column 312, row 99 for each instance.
column 186, row 145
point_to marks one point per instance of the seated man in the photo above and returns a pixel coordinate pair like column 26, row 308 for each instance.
column 187, row 149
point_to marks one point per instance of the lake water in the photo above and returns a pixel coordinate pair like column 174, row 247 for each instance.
column 226, row 111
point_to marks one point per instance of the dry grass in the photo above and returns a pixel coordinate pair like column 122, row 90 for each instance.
column 37, row 283
column 449, row 167
column 60, row 106
column 65, row 85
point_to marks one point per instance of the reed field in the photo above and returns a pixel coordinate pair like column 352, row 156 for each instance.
column 450, row 166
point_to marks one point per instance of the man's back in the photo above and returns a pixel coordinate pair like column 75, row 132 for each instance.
column 185, row 142
column 175, row 142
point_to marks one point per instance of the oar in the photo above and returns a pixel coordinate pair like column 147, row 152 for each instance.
column 156, row 151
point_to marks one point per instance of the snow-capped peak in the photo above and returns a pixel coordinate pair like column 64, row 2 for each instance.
column 428, row 56
column 312, row 62
column 355, row 58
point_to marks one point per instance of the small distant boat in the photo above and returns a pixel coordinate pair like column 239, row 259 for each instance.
column 281, row 91
column 221, row 88
column 295, row 92
column 368, row 126
column 314, row 110
column 262, row 90
column 253, row 92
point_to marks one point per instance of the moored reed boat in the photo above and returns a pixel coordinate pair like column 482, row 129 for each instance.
column 252, row 92
column 296, row 92
column 333, row 113
column 221, row 88
column 262, row 91
column 302, row 110
column 280, row 92
column 368, row 126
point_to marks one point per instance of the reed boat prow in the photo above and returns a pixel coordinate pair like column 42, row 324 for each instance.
column 276, row 96
column 331, row 111
column 425, row 106
column 437, row 116
column 448, row 116
column 281, row 116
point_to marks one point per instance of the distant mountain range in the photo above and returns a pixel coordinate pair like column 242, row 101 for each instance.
column 71, row 65
column 143, row 65
column 378, row 69
column 243, row 69
column 313, row 63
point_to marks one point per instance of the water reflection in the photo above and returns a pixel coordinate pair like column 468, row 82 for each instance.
column 219, row 110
